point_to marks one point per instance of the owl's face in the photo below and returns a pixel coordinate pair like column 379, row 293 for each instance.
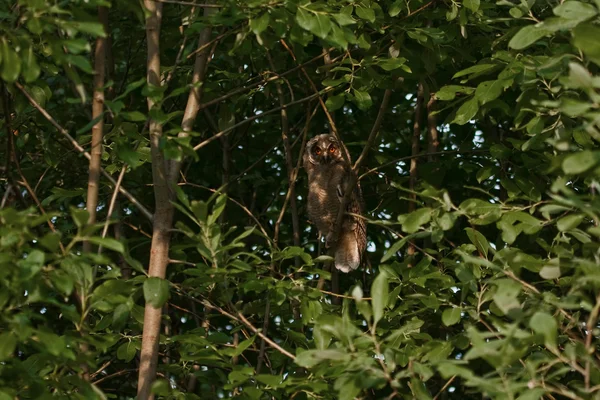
column 324, row 150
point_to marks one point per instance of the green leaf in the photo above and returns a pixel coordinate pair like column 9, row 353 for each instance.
column 472, row 5
column 93, row 28
column 515, row 12
column 451, row 316
column 310, row 358
column 31, row 69
column 126, row 351
column 466, row 112
column 585, row 37
column 506, row 296
column 452, row 13
column 479, row 241
column 11, row 64
column 344, row 19
column 396, row 7
column 379, row 294
column 544, row 324
column 490, row 90
column 575, row 10
column 390, row 64
column 133, row 116
column 80, row 217
column 391, row 252
column 8, row 343
column 156, row 291
column 335, row 102
column 258, row 25
column 338, row 37
column 318, row 24
column 449, row 92
column 580, row 162
column 363, row 99
column 364, row 41
column 475, row 69
column 569, row 222
column 365, row 13
column 527, row 36
column 108, row 243
column 305, row 19
column 550, row 272
column 416, row 219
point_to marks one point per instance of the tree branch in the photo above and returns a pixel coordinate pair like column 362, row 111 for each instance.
column 432, row 133
column 80, row 149
column 195, row 96
column 353, row 179
column 261, row 82
column 98, row 128
column 250, row 119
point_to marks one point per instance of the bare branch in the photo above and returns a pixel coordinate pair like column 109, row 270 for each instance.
column 250, row 119
column 98, row 128
column 194, row 98
column 111, row 206
column 12, row 156
column 80, row 149
column 354, row 175
column 432, row 133
column 261, row 82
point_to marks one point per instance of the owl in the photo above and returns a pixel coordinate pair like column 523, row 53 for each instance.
column 328, row 174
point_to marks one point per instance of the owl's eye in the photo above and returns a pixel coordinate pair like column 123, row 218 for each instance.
column 317, row 150
column 332, row 149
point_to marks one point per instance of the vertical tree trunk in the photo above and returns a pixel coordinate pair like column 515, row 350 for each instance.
column 432, row 132
column 163, row 176
column 96, row 153
column 97, row 129
column 415, row 148
column 163, row 215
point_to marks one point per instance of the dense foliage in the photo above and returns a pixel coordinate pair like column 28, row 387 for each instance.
column 484, row 265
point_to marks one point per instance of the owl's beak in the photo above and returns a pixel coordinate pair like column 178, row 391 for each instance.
column 326, row 158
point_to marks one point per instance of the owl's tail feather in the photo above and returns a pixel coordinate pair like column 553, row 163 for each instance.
column 347, row 254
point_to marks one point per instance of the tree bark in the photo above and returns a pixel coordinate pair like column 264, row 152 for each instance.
column 433, row 142
column 194, row 98
column 415, row 148
column 97, row 129
column 164, row 175
column 163, row 215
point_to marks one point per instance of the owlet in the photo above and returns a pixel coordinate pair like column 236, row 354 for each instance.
column 328, row 175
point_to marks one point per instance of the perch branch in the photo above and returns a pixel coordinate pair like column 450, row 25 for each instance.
column 353, row 179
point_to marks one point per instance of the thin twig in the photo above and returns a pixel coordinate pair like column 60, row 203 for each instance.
column 80, row 149
column 13, row 155
column 590, row 326
column 261, row 82
column 111, row 206
column 448, row 383
column 265, row 329
column 250, row 119
column 241, row 318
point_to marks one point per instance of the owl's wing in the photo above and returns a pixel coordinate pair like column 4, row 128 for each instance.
column 355, row 206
